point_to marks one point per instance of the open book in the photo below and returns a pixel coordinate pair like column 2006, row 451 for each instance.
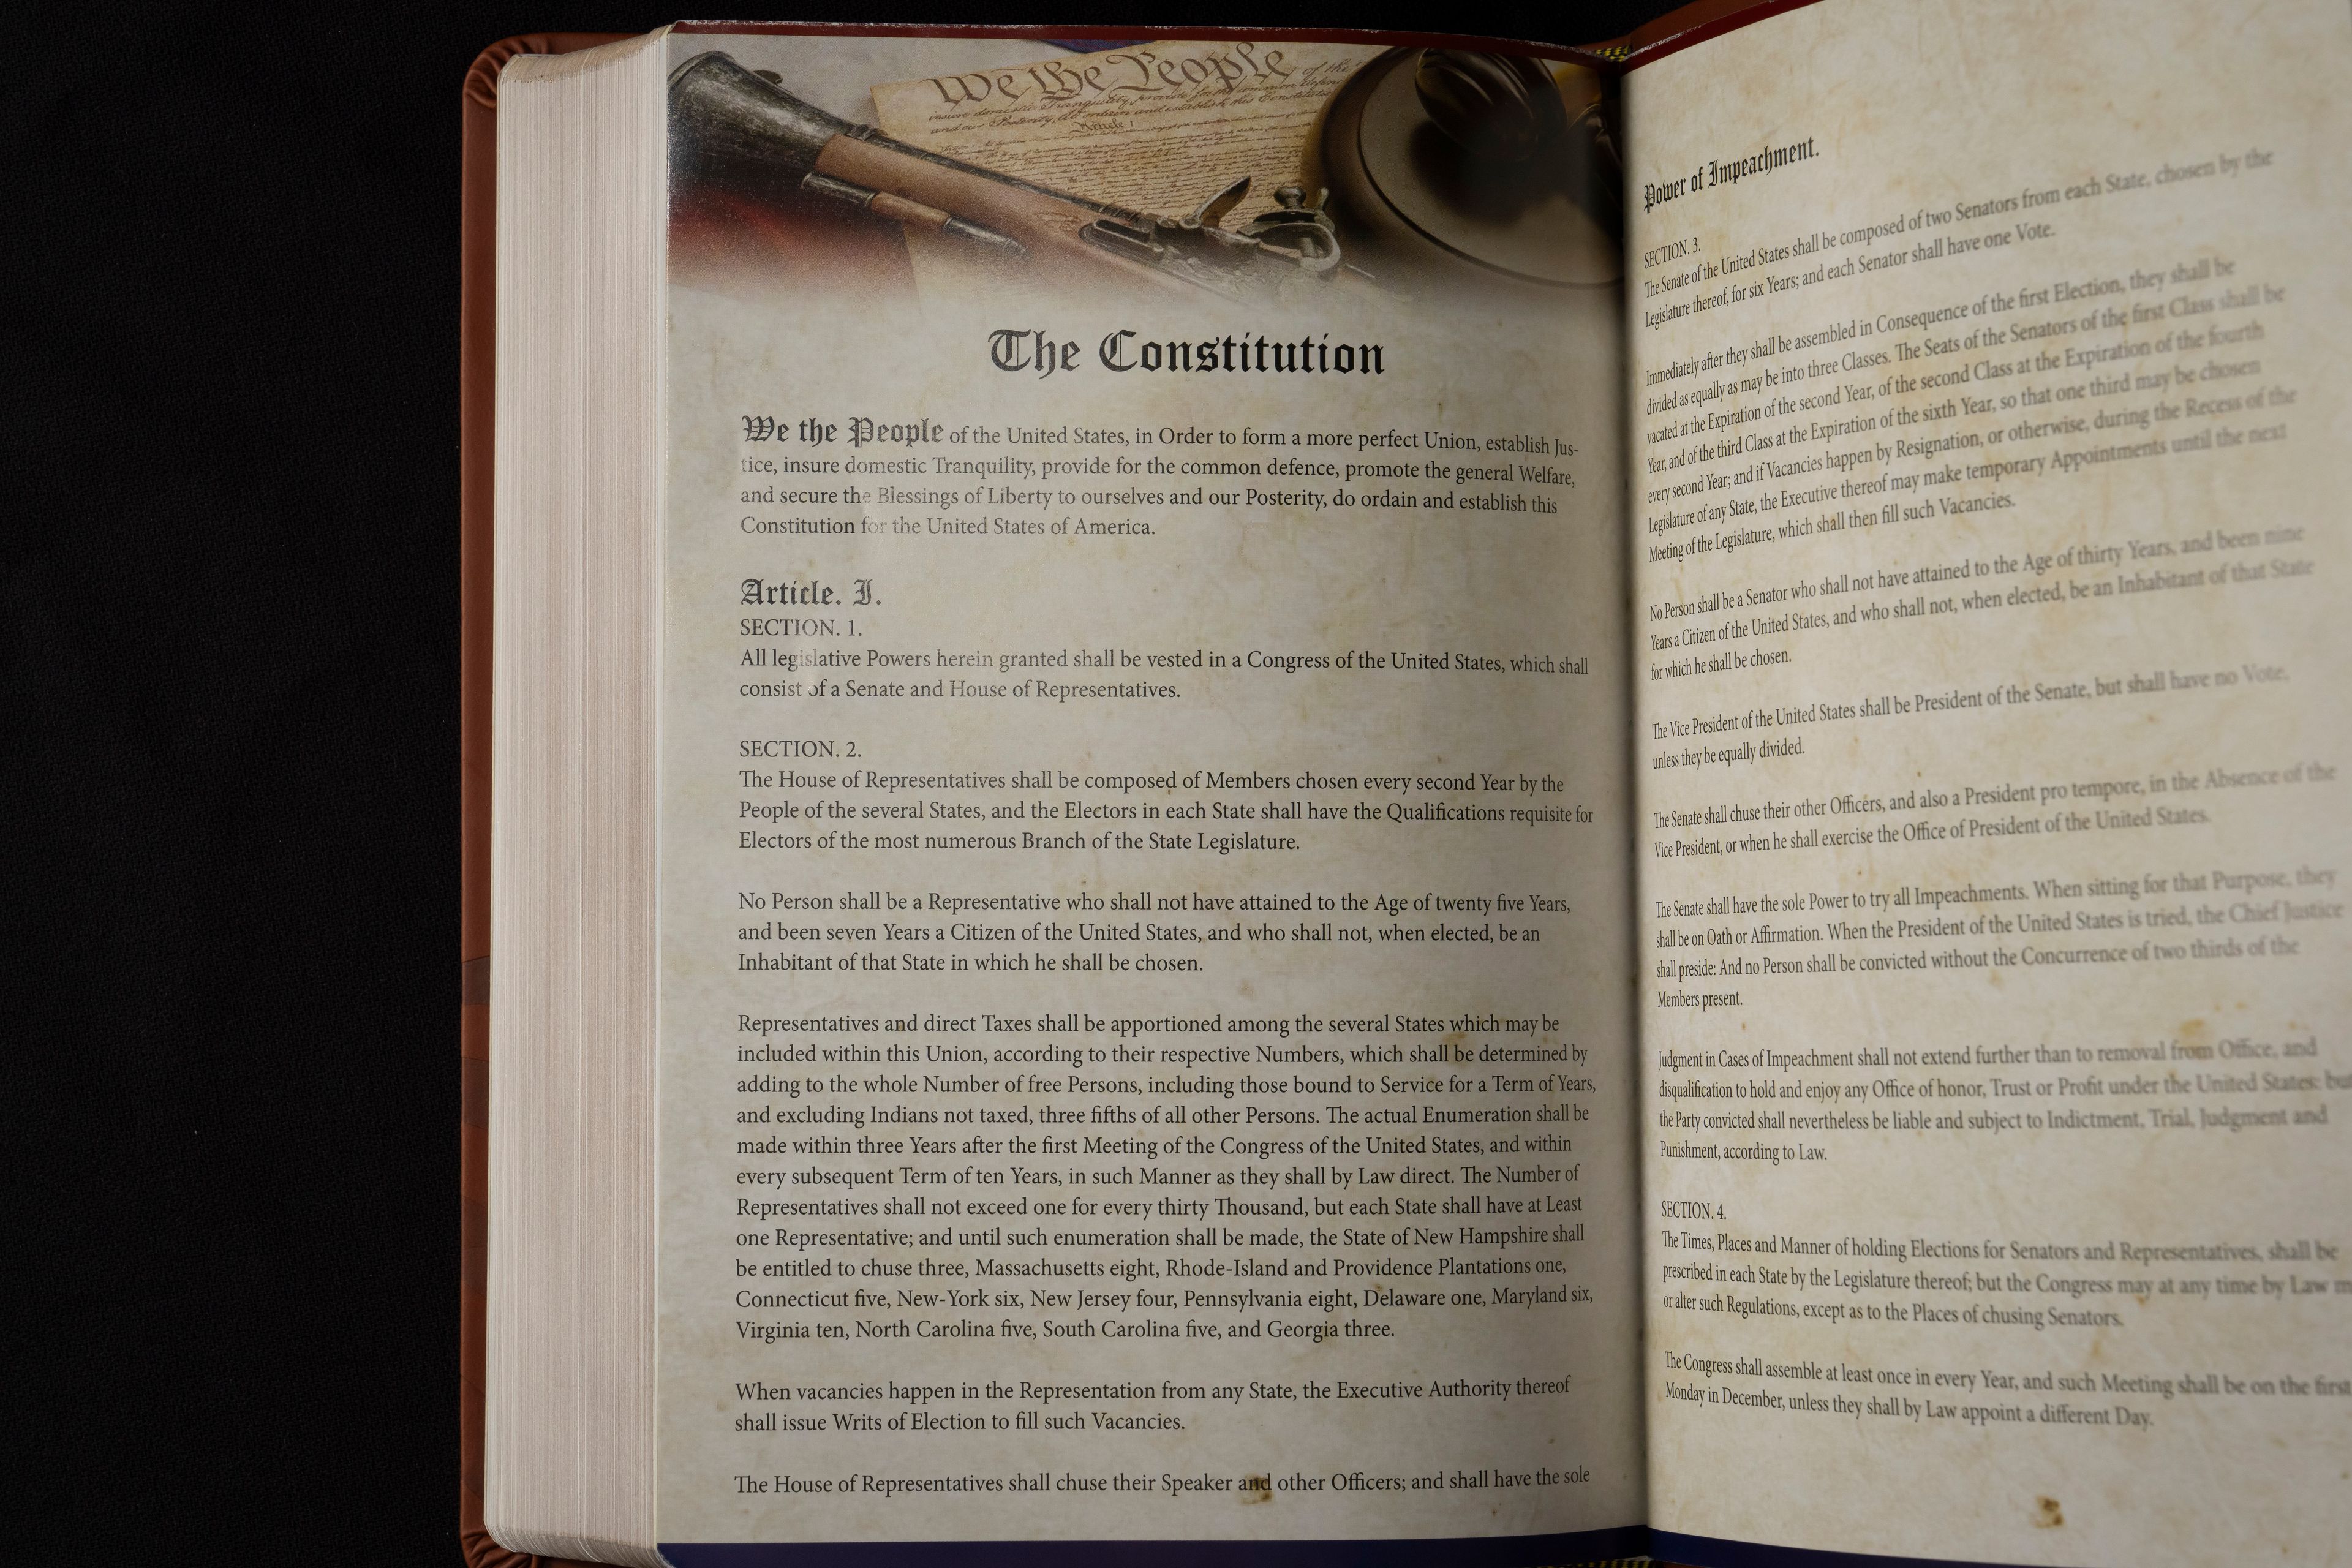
column 1278, row 800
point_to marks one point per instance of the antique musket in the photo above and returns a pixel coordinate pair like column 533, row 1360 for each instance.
column 735, row 129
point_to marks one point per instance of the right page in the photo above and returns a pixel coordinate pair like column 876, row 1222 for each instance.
column 1990, row 464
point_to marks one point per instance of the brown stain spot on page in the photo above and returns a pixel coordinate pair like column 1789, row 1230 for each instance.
column 2046, row 1514
column 1256, row 1488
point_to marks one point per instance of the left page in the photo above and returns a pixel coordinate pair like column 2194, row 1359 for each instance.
column 1145, row 1039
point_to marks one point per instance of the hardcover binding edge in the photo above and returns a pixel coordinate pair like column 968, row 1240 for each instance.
column 1692, row 24
column 1679, row 29
column 1620, row 1546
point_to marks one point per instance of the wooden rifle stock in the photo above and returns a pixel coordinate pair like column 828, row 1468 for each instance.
column 1047, row 225
column 733, row 129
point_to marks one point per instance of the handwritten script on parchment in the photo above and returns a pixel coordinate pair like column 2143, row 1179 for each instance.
column 1160, row 127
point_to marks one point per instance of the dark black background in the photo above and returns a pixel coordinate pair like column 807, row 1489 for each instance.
column 228, row 760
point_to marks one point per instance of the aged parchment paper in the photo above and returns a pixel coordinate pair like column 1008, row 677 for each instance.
column 1046, row 756
column 1991, row 452
column 1158, row 127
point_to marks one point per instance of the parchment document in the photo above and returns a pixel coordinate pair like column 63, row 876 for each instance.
column 1144, row 1046
column 1158, row 127
column 1992, row 455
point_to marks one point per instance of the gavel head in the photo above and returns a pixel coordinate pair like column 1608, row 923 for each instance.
column 1500, row 107
column 741, row 132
